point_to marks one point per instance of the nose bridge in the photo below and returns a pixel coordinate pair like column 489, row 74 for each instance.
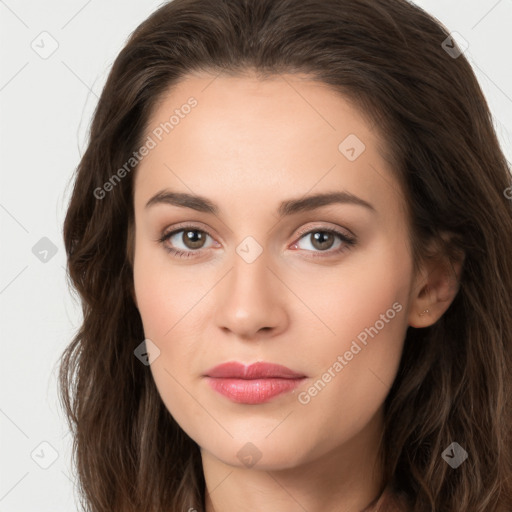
column 250, row 299
column 251, row 278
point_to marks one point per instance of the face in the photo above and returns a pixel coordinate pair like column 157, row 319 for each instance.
column 257, row 271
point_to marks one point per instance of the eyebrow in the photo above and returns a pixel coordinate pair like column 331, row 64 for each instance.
column 286, row 208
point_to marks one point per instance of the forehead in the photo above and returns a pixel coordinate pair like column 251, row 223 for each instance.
column 282, row 133
column 278, row 109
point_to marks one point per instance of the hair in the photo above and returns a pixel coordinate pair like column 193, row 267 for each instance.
column 454, row 379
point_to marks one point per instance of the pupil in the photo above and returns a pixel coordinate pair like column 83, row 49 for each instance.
column 194, row 237
column 321, row 237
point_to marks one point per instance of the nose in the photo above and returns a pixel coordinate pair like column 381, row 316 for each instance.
column 251, row 300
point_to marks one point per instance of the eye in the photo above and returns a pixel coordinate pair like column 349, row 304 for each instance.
column 194, row 239
column 322, row 239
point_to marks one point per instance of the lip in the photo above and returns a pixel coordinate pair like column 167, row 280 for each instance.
column 253, row 384
column 259, row 370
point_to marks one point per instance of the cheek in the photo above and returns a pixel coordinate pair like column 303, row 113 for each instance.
column 164, row 298
column 365, row 310
column 352, row 296
column 165, row 291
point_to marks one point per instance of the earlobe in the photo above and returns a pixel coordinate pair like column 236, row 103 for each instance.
column 434, row 291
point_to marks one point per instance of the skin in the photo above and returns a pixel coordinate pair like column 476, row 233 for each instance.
column 248, row 145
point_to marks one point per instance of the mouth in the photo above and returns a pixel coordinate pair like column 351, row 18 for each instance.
column 254, row 384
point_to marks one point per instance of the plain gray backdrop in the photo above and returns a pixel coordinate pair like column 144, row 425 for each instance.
column 55, row 59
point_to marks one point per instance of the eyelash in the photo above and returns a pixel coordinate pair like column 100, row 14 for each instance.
column 348, row 241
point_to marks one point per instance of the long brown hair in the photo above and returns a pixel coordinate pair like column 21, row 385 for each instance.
column 454, row 381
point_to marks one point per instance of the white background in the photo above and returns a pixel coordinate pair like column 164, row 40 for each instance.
column 45, row 110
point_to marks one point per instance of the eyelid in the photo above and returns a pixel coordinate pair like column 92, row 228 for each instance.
column 343, row 231
column 302, row 231
column 182, row 226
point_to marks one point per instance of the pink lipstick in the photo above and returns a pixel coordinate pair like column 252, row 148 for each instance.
column 254, row 384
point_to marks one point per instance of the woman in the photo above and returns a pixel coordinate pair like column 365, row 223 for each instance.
column 228, row 359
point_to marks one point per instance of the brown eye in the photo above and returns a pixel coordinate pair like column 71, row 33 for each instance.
column 193, row 239
column 322, row 240
column 185, row 241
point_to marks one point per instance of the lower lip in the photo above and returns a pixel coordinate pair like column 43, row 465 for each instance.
column 252, row 391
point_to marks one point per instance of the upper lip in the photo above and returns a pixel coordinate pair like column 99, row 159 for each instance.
column 234, row 369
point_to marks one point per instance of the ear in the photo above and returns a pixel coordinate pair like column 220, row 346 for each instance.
column 435, row 286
